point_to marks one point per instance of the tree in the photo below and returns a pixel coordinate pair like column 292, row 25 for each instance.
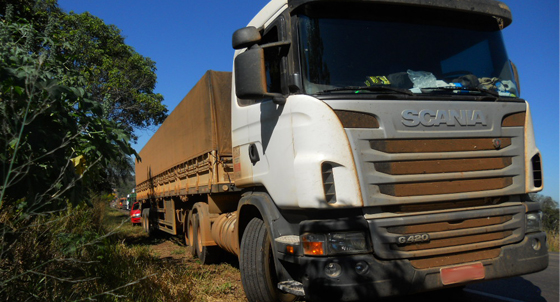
column 550, row 210
column 60, row 137
column 116, row 76
column 70, row 89
column 50, row 132
column 71, row 94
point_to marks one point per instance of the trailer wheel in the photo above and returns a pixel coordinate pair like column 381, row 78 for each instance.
column 146, row 220
column 189, row 235
column 256, row 262
column 149, row 224
column 206, row 254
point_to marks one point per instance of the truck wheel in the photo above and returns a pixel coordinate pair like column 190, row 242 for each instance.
column 189, row 236
column 256, row 262
column 206, row 254
column 149, row 224
column 146, row 220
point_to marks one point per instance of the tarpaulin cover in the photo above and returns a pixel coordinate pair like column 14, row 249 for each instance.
column 199, row 124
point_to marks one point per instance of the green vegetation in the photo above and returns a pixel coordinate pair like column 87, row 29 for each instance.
column 71, row 93
column 553, row 241
column 551, row 222
column 80, row 254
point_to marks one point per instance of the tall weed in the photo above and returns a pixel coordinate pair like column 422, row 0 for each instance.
column 69, row 256
column 553, row 241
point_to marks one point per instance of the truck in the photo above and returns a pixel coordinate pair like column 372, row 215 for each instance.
column 360, row 149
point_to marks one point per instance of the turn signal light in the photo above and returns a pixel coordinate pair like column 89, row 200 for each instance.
column 290, row 249
column 334, row 243
column 313, row 248
column 313, row 244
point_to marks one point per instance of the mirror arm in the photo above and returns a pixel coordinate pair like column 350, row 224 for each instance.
column 276, row 44
column 277, row 98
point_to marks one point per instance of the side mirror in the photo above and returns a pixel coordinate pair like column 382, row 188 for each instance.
column 245, row 37
column 250, row 76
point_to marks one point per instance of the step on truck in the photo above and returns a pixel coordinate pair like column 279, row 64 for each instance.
column 359, row 149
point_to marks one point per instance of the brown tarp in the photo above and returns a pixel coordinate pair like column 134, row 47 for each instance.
column 199, row 124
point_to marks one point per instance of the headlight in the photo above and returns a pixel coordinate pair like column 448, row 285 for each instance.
column 334, row 243
column 533, row 222
column 136, row 215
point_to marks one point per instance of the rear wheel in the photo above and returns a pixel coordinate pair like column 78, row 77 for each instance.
column 256, row 262
column 206, row 254
column 189, row 236
column 148, row 223
column 145, row 220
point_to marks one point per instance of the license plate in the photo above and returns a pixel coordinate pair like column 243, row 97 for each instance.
column 463, row 273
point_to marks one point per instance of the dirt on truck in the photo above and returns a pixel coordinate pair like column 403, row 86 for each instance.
column 360, row 149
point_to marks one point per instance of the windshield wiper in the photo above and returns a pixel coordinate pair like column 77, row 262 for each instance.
column 466, row 89
column 357, row 89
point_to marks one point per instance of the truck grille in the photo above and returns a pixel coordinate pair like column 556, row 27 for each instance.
column 405, row 171
column 443, row 189
column 443, row 168
column 449, row 233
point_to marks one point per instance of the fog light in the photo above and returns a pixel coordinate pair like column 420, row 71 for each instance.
column 362, row 268
column 333, row 270
column 536, row 244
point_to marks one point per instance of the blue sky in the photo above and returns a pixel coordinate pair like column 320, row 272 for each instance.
column 186, row 38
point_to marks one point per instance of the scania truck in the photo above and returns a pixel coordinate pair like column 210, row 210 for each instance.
column 359, row 149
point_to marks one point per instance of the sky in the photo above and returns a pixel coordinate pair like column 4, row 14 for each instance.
column 186, row 37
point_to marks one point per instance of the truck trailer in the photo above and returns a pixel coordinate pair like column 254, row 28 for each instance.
column 359, row 149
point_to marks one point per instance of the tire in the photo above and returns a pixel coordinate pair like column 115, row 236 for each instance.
column 256, row 262
column 146, row 220
column 189, row 236
column 206, row 254
column 148, row 224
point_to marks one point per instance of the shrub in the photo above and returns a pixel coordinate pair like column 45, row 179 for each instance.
column 68, row 256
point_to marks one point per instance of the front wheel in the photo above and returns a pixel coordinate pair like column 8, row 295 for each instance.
column 256, row 262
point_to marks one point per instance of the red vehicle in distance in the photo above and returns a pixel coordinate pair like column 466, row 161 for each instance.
column 135, row 214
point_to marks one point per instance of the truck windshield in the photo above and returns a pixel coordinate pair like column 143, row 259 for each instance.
column 366, row 55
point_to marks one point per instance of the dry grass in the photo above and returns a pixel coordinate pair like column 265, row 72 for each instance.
column 173, row 272
column 119, row 222
column 553, row 241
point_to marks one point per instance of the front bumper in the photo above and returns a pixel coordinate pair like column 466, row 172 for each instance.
column 399, row 277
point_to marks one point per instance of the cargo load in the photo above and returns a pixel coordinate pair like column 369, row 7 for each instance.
column 198, row 129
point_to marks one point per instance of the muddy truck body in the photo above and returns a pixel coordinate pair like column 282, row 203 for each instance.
column 359, row 149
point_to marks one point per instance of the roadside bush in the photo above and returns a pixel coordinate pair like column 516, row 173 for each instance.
column 61, row 136
column 551, row 222
column 68, row 256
